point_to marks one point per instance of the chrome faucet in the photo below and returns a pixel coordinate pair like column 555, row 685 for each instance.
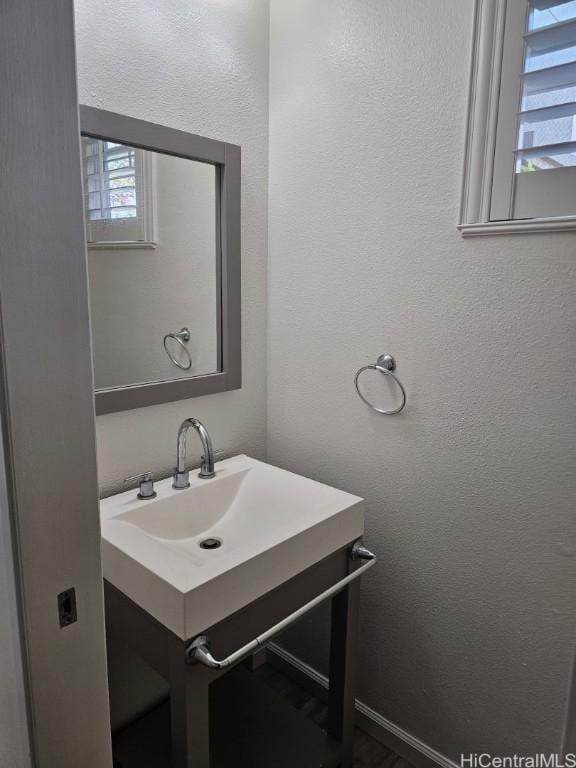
column 181, row 474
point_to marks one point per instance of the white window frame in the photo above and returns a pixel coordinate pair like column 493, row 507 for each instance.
column 144, row 228
column 493, row 50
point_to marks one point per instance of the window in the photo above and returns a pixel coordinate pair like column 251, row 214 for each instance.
column 117, row 194
column 521, row 157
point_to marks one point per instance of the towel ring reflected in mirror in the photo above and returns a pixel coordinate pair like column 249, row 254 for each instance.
column 386, row 365
column 182, row 337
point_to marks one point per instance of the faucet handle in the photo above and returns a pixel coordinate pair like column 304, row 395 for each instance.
column 207, row 466
column 146, row 485
column 215, row 452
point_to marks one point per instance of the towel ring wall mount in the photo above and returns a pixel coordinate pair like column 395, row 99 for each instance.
column 386, row 365
column 182, row 337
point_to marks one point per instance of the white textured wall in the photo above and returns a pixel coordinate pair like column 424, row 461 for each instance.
column 468, row 622
column 200, row 66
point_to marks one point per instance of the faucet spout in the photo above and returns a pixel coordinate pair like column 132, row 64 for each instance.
column 181, row 474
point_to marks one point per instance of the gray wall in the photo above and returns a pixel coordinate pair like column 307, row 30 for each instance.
column 14, row 739
column 199, row 66
column 570, row 734
column 468, row 622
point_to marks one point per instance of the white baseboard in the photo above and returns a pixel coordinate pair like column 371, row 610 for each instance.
column 392, row 736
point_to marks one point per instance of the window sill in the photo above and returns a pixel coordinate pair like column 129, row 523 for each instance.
column 519, row 227
column 120, row 245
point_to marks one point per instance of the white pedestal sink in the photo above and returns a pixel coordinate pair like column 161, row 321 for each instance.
column 270, row 526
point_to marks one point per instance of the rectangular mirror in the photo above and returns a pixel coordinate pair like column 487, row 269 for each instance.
column 162, row 212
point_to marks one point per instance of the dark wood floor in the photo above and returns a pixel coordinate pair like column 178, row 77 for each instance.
column 146, row 743
column 368, row 753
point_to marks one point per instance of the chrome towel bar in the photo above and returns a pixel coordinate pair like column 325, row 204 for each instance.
column 386, row 365
column 198, row 650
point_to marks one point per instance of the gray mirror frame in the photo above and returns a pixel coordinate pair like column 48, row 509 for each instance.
column 226, row 157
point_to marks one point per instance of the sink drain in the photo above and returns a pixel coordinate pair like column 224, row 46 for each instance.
column 210, row 544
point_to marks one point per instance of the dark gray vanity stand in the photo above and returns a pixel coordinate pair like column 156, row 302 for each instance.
column 187, row 717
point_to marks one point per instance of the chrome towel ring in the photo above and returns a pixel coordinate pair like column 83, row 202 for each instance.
column 181, row 338
column 385, row 364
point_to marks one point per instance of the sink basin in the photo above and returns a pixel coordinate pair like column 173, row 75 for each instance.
column 186, row 515
column 265, row 525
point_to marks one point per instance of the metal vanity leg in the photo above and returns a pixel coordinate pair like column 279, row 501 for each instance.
column 190, row 714
column 342, row 691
